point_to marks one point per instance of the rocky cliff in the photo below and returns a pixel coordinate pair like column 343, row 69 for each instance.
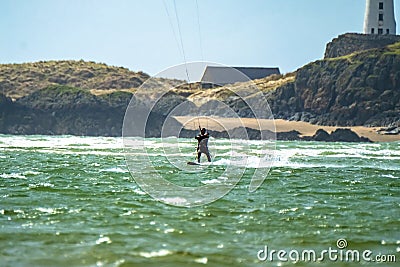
column 356, row 85
column 362, row 88
column 61, row 110
column 349, row 43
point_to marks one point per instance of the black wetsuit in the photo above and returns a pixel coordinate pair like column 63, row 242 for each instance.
column 202, row 146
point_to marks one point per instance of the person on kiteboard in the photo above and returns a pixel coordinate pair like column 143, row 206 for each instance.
column 202, row 144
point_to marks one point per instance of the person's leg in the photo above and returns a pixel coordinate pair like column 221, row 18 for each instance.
column 208, row 156
column 198, row 156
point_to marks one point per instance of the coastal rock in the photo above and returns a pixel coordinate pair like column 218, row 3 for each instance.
column 358, row 89
column 346, row 135
column 169, row 102
column 349, row 43
column 393, row 130
column 74, row 111
column 288, row 136
column 5, row 101
column 339, row 135
column 321, row 135
column 213, row 108
column 62, row 110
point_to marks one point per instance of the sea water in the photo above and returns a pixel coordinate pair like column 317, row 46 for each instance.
column 72, row 201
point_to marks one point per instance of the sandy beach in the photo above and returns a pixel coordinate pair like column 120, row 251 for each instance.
column 305, row 129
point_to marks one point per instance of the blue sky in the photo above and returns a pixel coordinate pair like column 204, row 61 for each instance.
column 139, row 35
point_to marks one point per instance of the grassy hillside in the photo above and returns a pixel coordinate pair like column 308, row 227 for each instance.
column 17, row 80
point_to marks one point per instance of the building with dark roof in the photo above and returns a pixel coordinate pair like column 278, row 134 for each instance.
column 220, row 75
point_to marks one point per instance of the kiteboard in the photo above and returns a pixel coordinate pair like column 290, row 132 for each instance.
column 193, row 163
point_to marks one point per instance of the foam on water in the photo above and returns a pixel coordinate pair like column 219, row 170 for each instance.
column 212, row 181
column 139, row 192
column 115, row 169
column 47, row 210
column 13, row 176
column 103, row 239
column 244, row 162
column 69, row 201
column 66, row 142
column 158, row 253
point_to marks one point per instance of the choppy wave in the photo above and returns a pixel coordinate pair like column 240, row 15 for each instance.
column 71, row 201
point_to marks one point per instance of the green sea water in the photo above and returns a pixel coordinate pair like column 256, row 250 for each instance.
column 71, row 201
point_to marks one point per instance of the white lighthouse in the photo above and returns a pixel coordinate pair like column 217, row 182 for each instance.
column 379, row 17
